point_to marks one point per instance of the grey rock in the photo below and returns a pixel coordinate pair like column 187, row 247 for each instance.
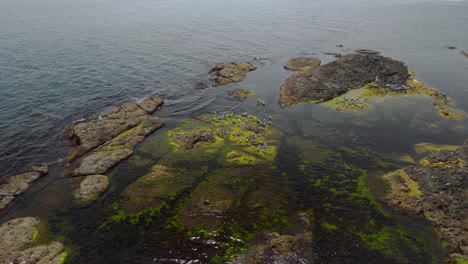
column 302, row 63
column 91, row 133
column 16, row 236
column 230, row 72
column 91, row 187
column 17, row 184
column 151, row 103
column 117, row 149
column 337, row 77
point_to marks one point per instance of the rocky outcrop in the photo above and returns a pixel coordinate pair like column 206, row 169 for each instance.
column 17, row 184
column 91, row 187
column 230, row 72
column 337, row 77
column 17, row 246
column 367, row 51
column 112, row 135
column 93, row 132
column 302, row 64
column 117, row 149
column 438, row 193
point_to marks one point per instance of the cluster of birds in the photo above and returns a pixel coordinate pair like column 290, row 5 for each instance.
column 350, row 103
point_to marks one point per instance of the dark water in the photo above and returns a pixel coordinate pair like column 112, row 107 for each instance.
column 61, row 61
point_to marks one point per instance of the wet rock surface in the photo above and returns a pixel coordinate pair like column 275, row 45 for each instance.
column 91, row 187
column 442, row 198
column 17, row 184
column 17, row 237
column 302, row 64
column 119, row 148
column 337, row 77
column 272, row 247
column 110, row 137
column 93, row 132
column 195, row 138
column 240, row 94
column 230, row 72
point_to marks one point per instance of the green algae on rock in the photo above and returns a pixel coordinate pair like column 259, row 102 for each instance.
column 22, row 243
column 241, row 94
column 441, row 183
column 302, row 64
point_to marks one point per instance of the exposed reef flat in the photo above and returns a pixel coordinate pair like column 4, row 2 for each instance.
column 230, row 72
column 436, row 190
column 19, row 183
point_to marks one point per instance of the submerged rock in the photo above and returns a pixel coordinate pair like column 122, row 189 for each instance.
column 437, row 192
column 367, row 51
column 345, row 73
column 91, row 187
column 288, row 248
column 230, row 72
column 93, row 132
column 241, row 94
column 17, row 184
column 302, row 64
column 17, row 236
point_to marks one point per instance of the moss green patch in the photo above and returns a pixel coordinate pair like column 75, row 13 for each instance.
column 446, row 164
column 400, row 180
column 328, row 226
column 449, row 112
column 64, row 257
column 462, row 261
column 425, row 148
column 35, row 236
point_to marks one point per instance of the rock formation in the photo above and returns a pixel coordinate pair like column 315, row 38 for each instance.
column 230, row 72
column 17, row 184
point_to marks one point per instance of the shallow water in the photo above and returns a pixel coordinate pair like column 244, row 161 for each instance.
column 61, row 61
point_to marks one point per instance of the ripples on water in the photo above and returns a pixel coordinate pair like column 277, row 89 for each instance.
column 65, row 60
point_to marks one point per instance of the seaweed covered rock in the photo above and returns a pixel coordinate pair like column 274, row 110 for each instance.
column 93, row 132
column 194, row 138
column 17, row 184
column 302, row 64
column 230, row 72
column 240, row 94
column 271, row 247
column 17, row 246
column 436, row 191
column 339, row 76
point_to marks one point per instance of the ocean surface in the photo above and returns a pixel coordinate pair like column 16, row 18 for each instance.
column 66, row 60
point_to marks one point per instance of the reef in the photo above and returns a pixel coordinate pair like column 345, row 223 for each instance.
column 337, row 77
column 19, row 183
column 90, row 133
column 21, row 239
column 230, row 72
column 302, row 64
column 436, row 190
